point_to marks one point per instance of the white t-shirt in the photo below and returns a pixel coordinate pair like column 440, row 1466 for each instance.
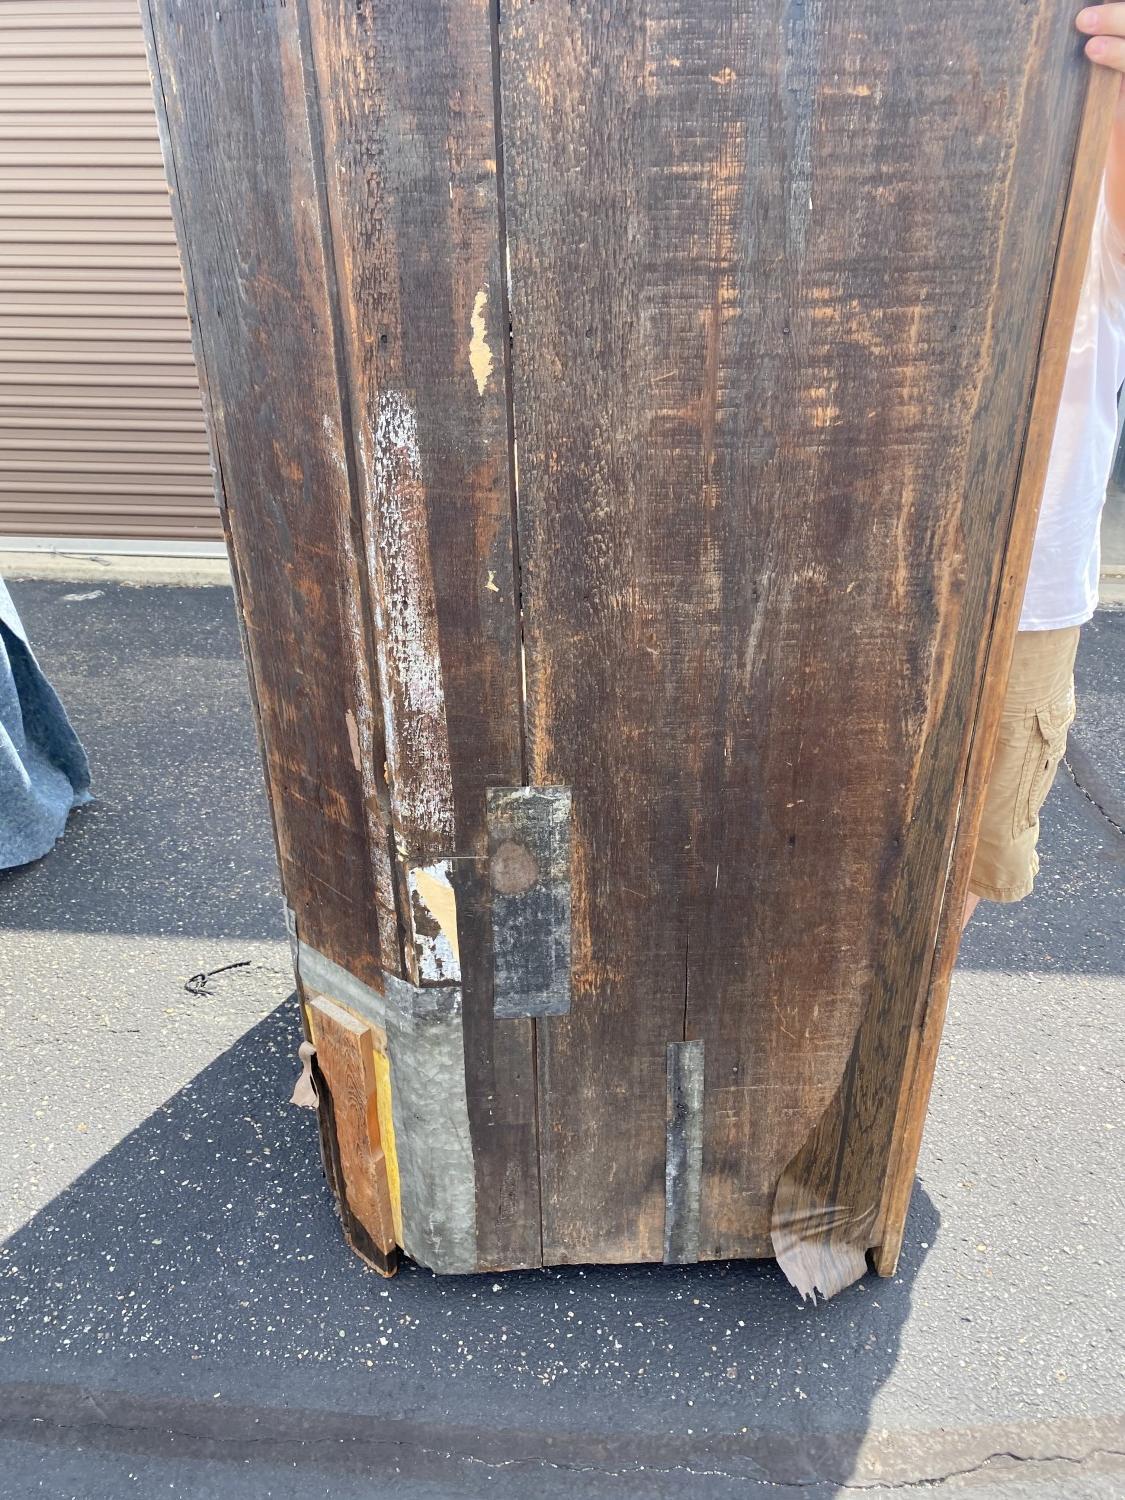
column 1062, row 586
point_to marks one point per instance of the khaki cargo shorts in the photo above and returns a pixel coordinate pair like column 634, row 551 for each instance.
column 1038, row 709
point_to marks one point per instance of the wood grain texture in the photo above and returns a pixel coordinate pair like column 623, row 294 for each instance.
column 230, row 85
column 827, row 1206
column 346, row 1074
column 778, row 284
column 779, row 276
column 1070, row 266
column 405, row 96
column 611, row 528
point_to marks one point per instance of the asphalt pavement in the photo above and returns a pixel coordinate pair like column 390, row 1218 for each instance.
column 179, row 1316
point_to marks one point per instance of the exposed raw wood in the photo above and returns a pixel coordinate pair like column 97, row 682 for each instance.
column 350, row 1096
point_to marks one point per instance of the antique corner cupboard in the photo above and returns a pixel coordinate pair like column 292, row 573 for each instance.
column 629, row 418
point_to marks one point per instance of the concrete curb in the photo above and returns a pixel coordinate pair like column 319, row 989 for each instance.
column 74, row 567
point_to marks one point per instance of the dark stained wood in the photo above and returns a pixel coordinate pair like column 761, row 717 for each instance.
column 836, row 1182
column 779, row 279
column 406, row 100
column 778, row 287
column 362, row 436
column 827, row 1202
column 1066, row 287
column 231, row 87
column 613, row 525
column 346, row 1073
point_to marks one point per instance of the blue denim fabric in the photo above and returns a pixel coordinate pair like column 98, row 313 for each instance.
column 43, row 767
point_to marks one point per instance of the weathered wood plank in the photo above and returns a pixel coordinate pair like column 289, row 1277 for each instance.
column 826, row 1212
column 405, row 95
column 778, row 281
column 230, row 86
column 1066, row 287
column 611, row 529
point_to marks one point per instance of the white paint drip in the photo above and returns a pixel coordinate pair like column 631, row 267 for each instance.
column 415, row 730
column 335, row 444
column 360, row 721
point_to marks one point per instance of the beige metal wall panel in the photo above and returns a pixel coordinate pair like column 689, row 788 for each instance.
column 101, row 429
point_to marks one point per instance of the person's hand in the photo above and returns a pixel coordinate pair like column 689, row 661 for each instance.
column 1105, row 27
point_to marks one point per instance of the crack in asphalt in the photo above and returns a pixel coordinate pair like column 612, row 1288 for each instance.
column 933, row 1480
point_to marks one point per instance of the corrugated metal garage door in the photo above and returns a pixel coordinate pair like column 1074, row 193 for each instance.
column 101, row 433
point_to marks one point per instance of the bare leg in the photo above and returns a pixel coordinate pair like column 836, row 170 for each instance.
column 970, row 907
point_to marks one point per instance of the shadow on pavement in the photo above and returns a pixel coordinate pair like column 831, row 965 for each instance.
column 190, row 1294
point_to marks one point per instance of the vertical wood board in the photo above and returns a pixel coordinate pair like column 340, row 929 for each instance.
column 779, row 276
column 336, row 183
column 405, row 100
column 231, row 87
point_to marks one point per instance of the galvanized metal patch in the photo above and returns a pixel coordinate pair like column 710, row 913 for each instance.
column 429, row 1104
column 683, row 1163
column 529, row 850
column 407, row 1002
column 435, row 1154
column 329, row 978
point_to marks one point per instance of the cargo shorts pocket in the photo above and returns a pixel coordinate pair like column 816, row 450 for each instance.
column 1045, row 748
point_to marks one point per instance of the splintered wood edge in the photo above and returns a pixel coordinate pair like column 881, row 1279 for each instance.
column 1062, row 306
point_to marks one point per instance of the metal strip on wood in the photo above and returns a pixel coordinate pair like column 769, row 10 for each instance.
column 683, row 1168
column 529, row 846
